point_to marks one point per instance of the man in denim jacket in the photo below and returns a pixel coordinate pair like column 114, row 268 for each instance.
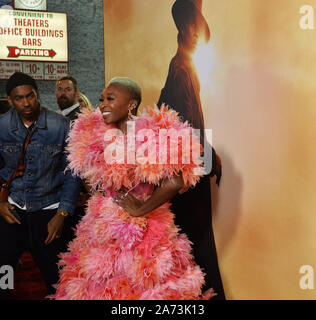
column 40, row 200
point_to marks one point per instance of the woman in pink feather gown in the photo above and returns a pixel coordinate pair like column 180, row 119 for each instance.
column 127, row 246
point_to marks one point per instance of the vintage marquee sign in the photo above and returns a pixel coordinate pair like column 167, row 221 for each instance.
column 33, row 36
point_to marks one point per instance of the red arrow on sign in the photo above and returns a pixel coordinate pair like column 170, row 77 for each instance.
column 15, row 52
column 52, row 53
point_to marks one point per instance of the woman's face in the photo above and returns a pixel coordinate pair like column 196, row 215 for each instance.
column 115, row 103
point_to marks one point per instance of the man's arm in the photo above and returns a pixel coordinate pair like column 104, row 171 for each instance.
column 69, row 194
column 70, row 188
column 6, row 207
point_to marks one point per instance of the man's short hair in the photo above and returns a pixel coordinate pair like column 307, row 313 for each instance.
column 70, row 78
column 19, row 79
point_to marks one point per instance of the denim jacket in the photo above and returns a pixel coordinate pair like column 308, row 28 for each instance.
column 45, row 180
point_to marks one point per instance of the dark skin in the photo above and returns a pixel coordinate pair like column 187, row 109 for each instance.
column 115, row 105
column 25, row 99
column 162, row 194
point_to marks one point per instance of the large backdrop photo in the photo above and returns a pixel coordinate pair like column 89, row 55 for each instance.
column 253, row 77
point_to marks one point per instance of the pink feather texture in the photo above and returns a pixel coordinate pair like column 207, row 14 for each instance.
column 115, row 256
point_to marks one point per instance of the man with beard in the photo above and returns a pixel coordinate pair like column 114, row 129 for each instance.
column 41, row 193
column 67, row 96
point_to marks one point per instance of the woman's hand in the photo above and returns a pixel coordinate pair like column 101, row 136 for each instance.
column 129, row 203
column 162, row 194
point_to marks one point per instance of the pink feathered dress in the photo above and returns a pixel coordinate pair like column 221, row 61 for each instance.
column 116, row 256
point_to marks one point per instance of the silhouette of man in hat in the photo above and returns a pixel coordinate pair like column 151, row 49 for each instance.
column 193, row 210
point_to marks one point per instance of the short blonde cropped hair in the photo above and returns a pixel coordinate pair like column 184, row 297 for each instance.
column 130, row 85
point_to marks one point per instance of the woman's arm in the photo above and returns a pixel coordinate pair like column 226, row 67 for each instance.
column 162, row 194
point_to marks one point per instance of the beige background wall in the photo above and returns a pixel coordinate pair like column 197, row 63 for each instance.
column 260, row 101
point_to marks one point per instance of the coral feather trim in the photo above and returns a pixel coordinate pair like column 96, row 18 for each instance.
column 86, row 145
